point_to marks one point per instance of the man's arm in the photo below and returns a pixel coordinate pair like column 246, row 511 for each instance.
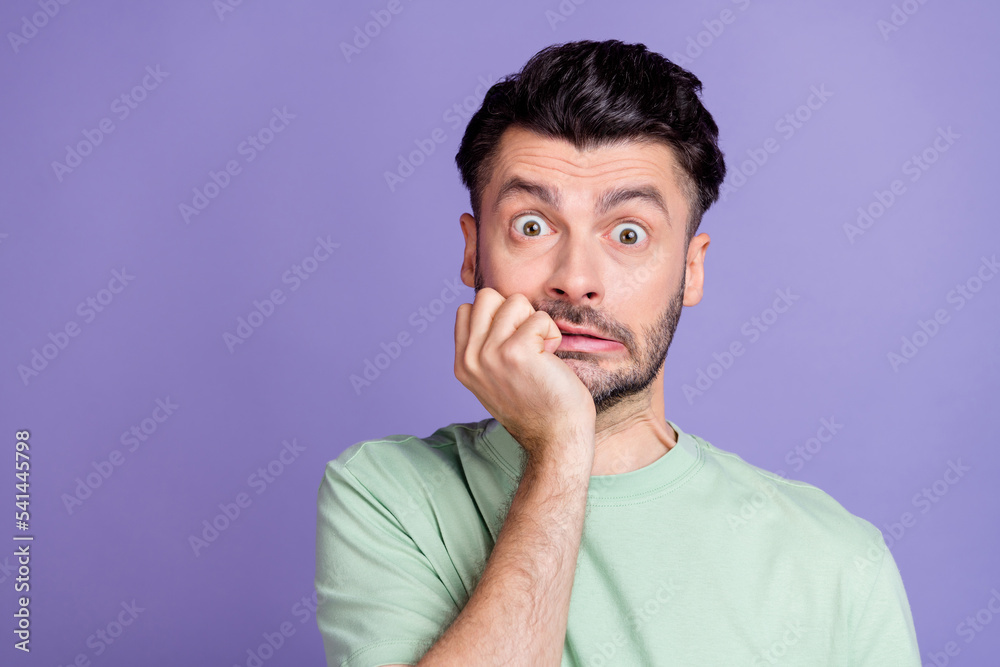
column 885, row 634
column 517, row 615
column 518, row 612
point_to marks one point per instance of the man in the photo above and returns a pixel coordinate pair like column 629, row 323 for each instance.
column 579, row 526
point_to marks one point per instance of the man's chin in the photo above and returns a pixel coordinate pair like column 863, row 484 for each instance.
column 591, row 375
column 585, row 366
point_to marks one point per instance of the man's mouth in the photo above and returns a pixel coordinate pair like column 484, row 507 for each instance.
column 582, row 339
column 567, row 329
column 565, row 333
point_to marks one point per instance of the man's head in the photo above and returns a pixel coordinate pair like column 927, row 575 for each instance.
column 593, row 93
column 589, row 172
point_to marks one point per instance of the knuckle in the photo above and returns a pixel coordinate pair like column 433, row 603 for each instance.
column 509, row 355
column 469, row 361
column 518, row 299
column 486, row 294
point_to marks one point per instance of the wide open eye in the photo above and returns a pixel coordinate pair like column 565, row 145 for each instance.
column 629, row 233
column 530, row 224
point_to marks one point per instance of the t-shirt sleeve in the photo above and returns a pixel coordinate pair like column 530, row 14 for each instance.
column 380, row 600
column 885, row 636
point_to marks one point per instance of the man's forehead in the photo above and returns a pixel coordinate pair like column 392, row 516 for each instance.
column 525, row 159
column 521, row 146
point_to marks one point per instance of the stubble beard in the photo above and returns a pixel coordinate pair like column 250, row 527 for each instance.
column 609, row 388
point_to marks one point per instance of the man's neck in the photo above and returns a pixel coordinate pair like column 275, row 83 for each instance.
column 631, row 435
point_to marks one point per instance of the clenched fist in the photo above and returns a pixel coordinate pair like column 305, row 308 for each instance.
column 504, row 354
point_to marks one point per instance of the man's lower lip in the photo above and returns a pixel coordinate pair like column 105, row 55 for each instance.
column 578, row 343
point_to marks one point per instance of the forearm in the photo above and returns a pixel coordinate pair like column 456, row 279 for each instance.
column 517, row 613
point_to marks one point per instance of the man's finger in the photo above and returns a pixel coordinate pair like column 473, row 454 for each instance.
column 511, row 314
column 486, row 303
column 539, row 332
column 461, row 331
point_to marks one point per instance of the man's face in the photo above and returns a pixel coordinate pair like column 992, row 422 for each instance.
column 595, row 239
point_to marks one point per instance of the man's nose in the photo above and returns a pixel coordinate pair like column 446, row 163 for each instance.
column 577, row 273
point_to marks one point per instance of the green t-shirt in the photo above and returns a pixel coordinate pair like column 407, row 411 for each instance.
column 698, row 559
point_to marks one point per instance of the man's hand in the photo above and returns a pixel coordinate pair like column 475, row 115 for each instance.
column 504, row 354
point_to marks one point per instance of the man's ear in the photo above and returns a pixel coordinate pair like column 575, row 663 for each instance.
column 469, row 258
column 694, row 269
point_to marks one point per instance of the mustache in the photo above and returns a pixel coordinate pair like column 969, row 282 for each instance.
column 586, row 317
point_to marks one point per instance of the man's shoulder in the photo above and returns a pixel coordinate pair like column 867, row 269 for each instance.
column 397, row 458
column 433, row 488
column 769, row 500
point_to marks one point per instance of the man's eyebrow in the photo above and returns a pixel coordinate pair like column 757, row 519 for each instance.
column 609, row 200
column 516, row 185
column 618, row 196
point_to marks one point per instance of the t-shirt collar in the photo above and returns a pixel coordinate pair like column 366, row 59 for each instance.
column 663, row 474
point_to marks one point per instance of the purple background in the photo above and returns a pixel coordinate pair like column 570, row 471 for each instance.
column 63, row 234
